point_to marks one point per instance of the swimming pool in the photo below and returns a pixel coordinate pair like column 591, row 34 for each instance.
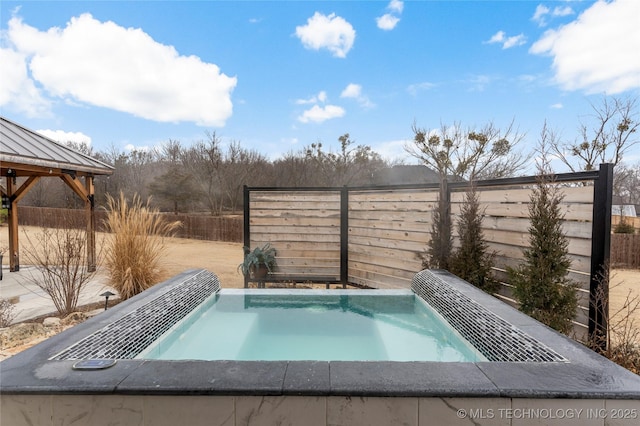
column 529, row 369
column 344, row 325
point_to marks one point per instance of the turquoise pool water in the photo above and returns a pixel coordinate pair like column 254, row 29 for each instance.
column 310, row 325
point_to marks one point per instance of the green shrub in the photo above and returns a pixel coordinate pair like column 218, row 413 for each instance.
column 134, row 245
column 624, row 227
column 471, row 261
column 438, row 250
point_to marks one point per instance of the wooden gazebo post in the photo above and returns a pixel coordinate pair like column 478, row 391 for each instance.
column 14, row 194
column 86, row 192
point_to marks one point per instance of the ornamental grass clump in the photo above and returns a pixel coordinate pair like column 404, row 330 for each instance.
column 134, row 245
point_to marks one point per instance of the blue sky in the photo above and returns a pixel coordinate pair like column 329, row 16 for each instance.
column 280, row 75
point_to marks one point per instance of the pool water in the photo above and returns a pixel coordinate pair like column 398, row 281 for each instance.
column 311, row 326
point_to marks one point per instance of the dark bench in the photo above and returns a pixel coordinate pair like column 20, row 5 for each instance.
column 294, row 279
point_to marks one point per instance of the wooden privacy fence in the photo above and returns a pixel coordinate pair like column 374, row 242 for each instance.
column 200, row 227
column 375, row 236
column 625, row 250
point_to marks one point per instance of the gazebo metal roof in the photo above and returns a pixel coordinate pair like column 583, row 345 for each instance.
column 30, row 154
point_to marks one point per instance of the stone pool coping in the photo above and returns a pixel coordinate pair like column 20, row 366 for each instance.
column 585, row 375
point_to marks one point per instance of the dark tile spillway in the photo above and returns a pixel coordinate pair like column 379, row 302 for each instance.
column 128, row 336
column 497, row 339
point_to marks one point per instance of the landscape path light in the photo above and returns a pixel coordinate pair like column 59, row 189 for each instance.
column 106, row 296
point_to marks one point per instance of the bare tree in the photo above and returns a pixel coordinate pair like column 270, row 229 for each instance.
column 60, row 256
column 470, row 154
column 294, row 169
column 353, row 165
column 626, row 183
column 176, row 186
column 609, row 136
column 242, row 166
column 134, row 170
column 204, row 160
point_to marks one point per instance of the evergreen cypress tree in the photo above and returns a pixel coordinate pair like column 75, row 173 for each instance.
column 471, row 261
column 541, row 284
column 439, row 246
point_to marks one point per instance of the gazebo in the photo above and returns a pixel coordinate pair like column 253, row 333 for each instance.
column 25, row 158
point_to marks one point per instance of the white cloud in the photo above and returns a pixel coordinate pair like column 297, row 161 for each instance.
column 17, row 91
column 351, row 91
column 327, row 32
column 394, row 150
column 63, row 137
column 413, row 89
column 387, row 22
column 320, row 97
column 354, row 91
column 518, row 40
column 396, row 6
column 598, row 52
column 497, row 37
column 507, row 42
column 318, row 114
column 542, row 12
column 562, row 11
column 104, row 64
column 557, row 106
column 478, row 83
column 132, row 147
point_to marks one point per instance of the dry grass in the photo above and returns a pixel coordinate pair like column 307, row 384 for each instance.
column 135, row 245
column 621, row 344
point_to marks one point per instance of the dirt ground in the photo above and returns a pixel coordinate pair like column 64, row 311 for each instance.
column 223, row 258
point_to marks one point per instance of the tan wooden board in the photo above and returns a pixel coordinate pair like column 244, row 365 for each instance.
column 409, row 263
column 409, row 246
column 396, row 225
column 410, row 195
column 284, row 229
column 294, row 222
column 393, row 206
column 582, row 194
column 294, row 205
column 292, row 196
column 389, row 216
column 578, row 263
column 403, row 236
column 570, row 228
column 577, row 212
column 275, row 238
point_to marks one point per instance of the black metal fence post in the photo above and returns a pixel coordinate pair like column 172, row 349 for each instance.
column 344, row 236
column 600, row 253
column 246, row 230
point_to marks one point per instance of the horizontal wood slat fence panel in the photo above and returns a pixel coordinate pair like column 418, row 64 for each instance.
column 197, row 227
column 377, row 235
column 303, row 227
column 388, row 230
